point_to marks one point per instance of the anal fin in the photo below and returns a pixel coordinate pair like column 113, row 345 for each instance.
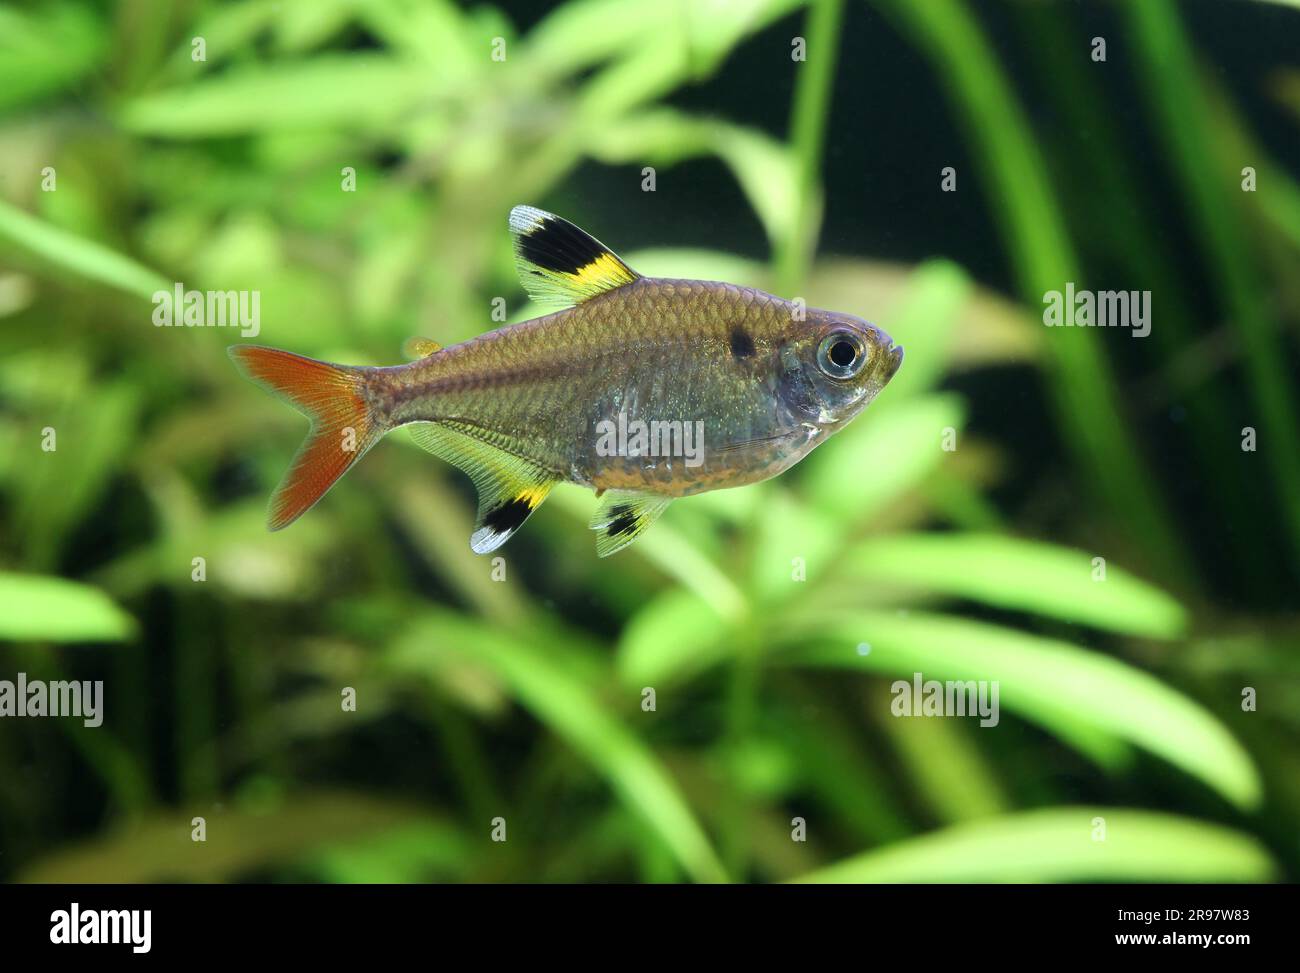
column 510, row 487
column 622, row 516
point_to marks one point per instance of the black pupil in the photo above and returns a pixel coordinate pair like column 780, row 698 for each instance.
column 843, row 353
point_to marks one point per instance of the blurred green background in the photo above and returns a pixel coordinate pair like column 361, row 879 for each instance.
column 126, row 165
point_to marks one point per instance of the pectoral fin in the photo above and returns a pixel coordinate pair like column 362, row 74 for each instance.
column 762, row 440
column 509, row 487
column 622, row 516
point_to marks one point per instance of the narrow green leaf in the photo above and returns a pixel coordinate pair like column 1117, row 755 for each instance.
column 671, row 552
column 1168, row 75
column 57, row 489
column 38, row 608
column 673, row 635
column 814, row 84
column 556, row 695
column 876, row 459
column 764, row 167
column 923, row 323
column 352, row 90
column 46, row 51
column 83, row 257
column 1022, row 575
column 1047, row 681
column 1043, row 255
column 1063, row 845
column 160, row 848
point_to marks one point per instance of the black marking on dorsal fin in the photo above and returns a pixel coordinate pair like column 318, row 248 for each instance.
column 560, row 246
column 558, row 263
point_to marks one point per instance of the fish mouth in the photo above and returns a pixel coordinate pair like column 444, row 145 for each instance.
column 893, row 361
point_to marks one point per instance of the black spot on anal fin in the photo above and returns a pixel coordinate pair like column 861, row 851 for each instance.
column 624, row 523
column 623, row 516
column 509, row 516
column 742, row 345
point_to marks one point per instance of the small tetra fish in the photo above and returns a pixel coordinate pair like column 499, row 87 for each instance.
column 643, row 389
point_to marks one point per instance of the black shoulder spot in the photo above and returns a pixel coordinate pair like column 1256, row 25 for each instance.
column 742, row 345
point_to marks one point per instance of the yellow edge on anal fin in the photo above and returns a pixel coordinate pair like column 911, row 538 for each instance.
column 499, row 517
column 510, row 487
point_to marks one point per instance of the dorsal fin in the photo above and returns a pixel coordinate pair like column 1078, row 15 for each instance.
column 414, row 348
column 622, row 516
column 509, row 487
column 559, row 263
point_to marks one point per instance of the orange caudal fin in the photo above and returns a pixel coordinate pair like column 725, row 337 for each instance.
column 342, row 425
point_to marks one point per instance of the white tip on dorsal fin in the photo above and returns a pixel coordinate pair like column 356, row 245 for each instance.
column 560, row 264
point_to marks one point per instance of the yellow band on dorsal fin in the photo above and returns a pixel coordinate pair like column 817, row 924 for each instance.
column 560, row 264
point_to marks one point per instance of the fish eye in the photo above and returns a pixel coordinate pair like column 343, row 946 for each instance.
column 840, row 355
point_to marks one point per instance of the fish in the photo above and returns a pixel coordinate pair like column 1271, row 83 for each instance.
column 643, row 389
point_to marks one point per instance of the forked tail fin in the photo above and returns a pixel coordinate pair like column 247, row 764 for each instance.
column 342, row 424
